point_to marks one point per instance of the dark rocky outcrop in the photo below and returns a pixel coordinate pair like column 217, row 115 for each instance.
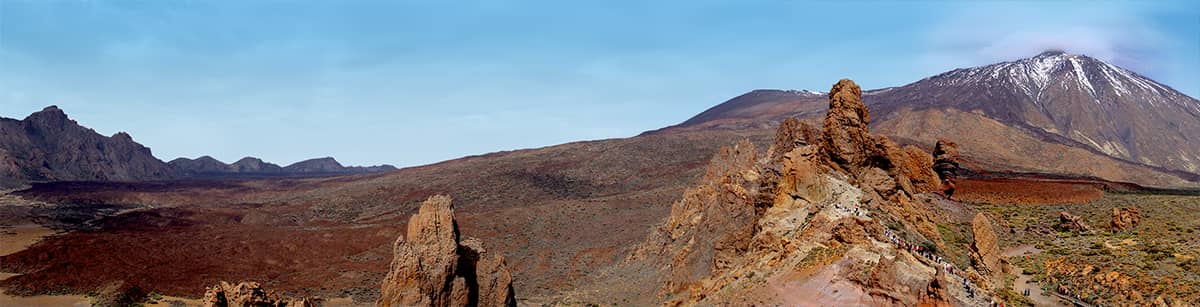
column 254, row 165
column 208, row 166
column 431, row 267
column 328, row 165
column 49, row 146
column 201, row 165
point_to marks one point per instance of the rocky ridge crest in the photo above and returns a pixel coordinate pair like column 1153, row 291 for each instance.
column 810, row 203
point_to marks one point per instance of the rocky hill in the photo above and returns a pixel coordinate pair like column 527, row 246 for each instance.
column 201, row 165
column 254, row 165
column 208, row 166
column 1055, row 113
column 49, row 146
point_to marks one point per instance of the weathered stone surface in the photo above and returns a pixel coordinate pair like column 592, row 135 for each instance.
column 801, row 180
column 845, row 139
column 493, row 278
column 425, row 259
column 711, row 225
column 916, row 167
column 1125, row 218
column 249, row 294
column 985, row 250
column 792, row 133
column 431, row 268
column 1070, row 222
column 752, row 221
column 945, row 163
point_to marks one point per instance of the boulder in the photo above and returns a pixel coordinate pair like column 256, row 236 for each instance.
column 432, row 268
column 1072, row 223
column 985, row 250
column 249, row 294
column 1125, row 218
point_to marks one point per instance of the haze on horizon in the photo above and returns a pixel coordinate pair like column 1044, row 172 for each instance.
column 374, row 82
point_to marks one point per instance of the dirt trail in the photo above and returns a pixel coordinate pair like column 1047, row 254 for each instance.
column 1024, row 281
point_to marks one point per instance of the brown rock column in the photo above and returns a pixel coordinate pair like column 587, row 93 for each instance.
column 431, row 267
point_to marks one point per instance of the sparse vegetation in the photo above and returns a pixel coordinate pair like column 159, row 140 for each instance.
column 1155, row 258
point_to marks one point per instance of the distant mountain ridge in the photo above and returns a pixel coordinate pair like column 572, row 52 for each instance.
column 49, row 146
column 208, row 166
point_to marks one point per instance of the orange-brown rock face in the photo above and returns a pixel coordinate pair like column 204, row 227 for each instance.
column 945, row 163
column 712, row 222
column 889, row 174
column 846, row 140
column 848, row 143
column 916, row 167
column 1125, row 218
column 985, row 250
column 248, row 294
column 431, row 267
column 792, row 133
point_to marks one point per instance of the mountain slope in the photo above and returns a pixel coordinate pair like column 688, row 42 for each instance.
column 49, row 146
column 1101, row 106
column 1066, row 108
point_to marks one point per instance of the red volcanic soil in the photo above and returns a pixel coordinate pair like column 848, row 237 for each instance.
column 558, row 214
column 1028, row 190
column 180, row 251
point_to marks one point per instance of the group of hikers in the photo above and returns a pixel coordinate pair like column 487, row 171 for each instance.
column 928, row 254
column 851, row 211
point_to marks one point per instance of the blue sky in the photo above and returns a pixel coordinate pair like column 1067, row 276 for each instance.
column 416, row 82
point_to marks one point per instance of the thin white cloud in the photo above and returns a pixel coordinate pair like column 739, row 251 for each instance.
column 982, row 34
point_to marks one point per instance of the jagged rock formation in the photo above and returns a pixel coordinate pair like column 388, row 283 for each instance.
column 811, row 208
column 249, row 294
column 49, row 146
column 876, row 163
column 1072, row 223
column 945, row 163
column 792, row 133
column 985, row 249
column 1125, row 218
column 432, row 268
